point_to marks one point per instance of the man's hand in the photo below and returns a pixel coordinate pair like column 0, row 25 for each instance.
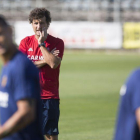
column 55, row 52
column 39, row 63
column 43, row 36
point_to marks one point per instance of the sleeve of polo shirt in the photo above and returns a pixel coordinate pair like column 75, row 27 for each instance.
column 60, row 47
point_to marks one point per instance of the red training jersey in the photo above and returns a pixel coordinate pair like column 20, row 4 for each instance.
column 49, row 78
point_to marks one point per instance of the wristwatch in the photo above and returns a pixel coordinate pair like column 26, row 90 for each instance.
column 42, row 44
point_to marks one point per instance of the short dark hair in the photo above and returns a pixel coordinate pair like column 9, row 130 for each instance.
column 38, row 13
column 3, row 21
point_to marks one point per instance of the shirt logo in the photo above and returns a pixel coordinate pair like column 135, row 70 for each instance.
column 4, row 97
column 55, row 130
column 36, row 57
column 30, row 49
column 123, row 90
column 4, row 81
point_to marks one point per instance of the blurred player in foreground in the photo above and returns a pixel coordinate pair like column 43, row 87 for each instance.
column 128, row 123
column 19, row 92
column 46, row 52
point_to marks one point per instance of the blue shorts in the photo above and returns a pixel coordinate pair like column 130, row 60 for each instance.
column 50, row 116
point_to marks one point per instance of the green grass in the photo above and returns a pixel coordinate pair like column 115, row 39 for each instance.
column 89, row 93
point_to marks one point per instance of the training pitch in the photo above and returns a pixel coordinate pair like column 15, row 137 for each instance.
column 89, row 92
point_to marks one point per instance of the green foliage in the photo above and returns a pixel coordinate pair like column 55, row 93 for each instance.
column 89, row 93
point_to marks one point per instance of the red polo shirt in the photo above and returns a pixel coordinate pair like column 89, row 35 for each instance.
column 49, row 78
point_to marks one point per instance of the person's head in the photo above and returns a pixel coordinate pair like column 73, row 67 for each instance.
column 39, row 18
column 5, row 36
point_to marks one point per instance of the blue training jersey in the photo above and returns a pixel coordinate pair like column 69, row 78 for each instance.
column 20, row 80
column 126, row 127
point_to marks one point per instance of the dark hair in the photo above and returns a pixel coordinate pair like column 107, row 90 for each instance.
column 3, row 22
column 38, row 13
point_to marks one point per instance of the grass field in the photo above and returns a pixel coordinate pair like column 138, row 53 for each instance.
column 89, row 92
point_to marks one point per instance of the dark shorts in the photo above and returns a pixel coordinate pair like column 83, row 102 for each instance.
column 50, row 116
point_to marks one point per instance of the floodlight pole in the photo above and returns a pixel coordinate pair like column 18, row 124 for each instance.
column 117, row 12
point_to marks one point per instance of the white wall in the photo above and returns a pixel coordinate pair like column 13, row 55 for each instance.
column 91, row 35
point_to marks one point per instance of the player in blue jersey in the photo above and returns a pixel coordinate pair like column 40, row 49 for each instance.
column 128, row 123
column 20, row 115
